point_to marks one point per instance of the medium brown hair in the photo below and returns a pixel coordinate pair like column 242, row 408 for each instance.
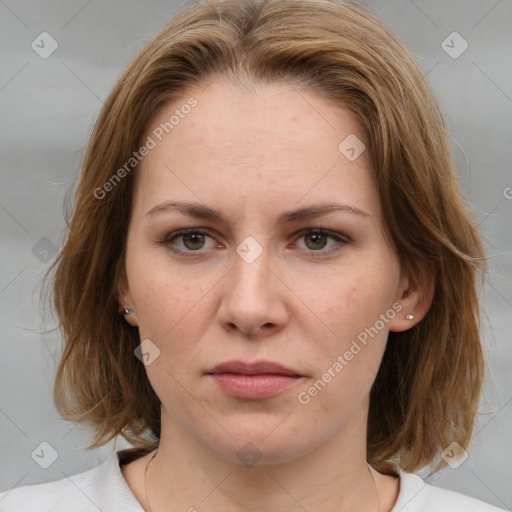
column 426, row 392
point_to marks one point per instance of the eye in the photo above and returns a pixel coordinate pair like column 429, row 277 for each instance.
column 193, row 240
column 316, row 239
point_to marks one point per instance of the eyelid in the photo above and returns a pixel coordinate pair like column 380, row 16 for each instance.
column 186, row 231
column 324, row 231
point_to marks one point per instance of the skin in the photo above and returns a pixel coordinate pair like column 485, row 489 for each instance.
column 253, row 153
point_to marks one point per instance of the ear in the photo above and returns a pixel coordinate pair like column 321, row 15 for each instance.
column 125, row 301
column 415, row 294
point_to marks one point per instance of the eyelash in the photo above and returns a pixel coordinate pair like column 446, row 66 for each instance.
column 342, row 239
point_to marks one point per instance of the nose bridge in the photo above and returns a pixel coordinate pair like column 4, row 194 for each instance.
column 251, row 298
column 251, row 277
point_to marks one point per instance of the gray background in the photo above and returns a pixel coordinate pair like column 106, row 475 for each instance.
column 48, row 107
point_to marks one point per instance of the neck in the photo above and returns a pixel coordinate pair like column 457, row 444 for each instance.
column 191, row 477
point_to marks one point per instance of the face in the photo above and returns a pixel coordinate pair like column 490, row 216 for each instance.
column 316, row 294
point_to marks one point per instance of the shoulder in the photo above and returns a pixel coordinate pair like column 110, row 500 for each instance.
column 56, row 496
column 417, row 496
column 100, row 488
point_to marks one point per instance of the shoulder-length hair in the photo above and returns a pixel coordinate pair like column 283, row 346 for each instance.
column 426, row 392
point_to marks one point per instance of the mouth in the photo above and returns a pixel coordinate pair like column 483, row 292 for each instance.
column 253, row 381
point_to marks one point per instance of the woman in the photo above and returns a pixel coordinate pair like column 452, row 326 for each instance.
column 269, row 282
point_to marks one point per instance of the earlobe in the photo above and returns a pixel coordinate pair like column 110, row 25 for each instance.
column 125, row 303
column 409, row 315
column 415, row 296
column 130, row 316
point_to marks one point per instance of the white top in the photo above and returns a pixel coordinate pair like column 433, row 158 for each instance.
column 104, row 488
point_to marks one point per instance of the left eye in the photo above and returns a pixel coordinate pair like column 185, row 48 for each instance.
column 316, row 239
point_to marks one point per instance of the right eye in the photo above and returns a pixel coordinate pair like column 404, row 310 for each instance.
column 192, row 240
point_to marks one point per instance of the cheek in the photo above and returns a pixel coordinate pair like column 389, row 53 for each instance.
column 356, row 307
column 354, row 298
column 349, row 358
column 170, row 304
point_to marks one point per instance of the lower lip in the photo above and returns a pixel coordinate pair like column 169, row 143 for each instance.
column 254, row 387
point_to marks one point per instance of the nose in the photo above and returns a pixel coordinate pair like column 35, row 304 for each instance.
column 253, row 298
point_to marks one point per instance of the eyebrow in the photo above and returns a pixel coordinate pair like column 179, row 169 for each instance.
column 201, row 211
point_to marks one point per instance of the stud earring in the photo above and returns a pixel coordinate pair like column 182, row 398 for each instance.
column 127, row 311
column 409, row 316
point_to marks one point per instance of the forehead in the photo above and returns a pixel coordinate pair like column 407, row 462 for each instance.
column 270, row 138
column 278, row 113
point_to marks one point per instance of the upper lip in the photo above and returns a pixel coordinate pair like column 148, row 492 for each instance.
column 255, row 368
